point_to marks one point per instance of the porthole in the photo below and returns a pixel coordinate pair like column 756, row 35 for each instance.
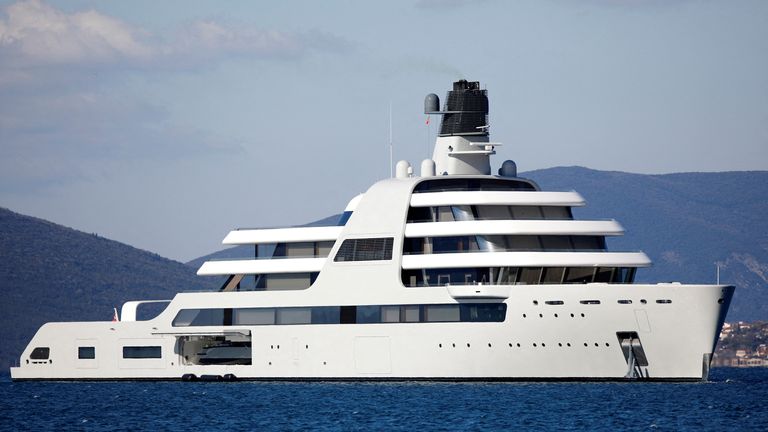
column 518, row 344
column 568, row 344
column 535, row 302
column 439, row 345
column 643, row 301
column 510, row 344
column 270, row 363
column 306, row 346
column 534, row 344
column 607, row 344
column 543, row 345
column 555, row 315
column 467, row 345
column 559, row 344
column 454, row 345
column 541, row 315
column 489, row 345
column 596, row 344
column 720, row 301
column 524, row 316
column 585, row 344
column 582, row 315
column 572, row 315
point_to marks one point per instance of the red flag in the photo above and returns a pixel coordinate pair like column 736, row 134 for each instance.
column 427, row 122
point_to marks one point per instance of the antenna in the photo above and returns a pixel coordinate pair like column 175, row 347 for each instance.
column 429, row 133
column 391, row 161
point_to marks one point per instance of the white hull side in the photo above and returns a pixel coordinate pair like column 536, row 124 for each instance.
column 677, row 338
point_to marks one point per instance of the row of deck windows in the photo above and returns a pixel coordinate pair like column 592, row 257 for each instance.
column 481, row 312
column 472, row 184
column 503, row 243
column 459, row 276
column 277, row 281
column 319, row 249
column 488, row 212
column 516, row 276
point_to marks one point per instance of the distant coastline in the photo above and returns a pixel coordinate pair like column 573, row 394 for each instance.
column 742, row 344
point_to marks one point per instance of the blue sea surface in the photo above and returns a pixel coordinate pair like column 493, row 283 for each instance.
column 732, row 399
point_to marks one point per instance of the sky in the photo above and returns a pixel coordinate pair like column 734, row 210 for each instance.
column 165, row 124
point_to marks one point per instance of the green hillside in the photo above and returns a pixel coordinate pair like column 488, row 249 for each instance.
column 49, row 272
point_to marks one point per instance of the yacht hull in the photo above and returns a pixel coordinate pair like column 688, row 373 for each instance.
column 551, row 332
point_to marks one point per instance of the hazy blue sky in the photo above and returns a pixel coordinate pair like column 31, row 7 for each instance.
column 164, row 124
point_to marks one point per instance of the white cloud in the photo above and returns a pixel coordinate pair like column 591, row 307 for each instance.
column 65, row 111
column 36, row 34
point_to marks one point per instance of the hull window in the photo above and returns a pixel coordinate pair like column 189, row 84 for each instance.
column 86, row 353
column 40, row 353
column 142, row 352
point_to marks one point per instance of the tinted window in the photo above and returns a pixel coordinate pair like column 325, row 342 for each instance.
column 370, row 249
column 40, row 353
column 471, row 184
column 579, row 275
column 368, row 314
column 86, row 352
column 344, row 218
column 490, row 312
column 142, row 352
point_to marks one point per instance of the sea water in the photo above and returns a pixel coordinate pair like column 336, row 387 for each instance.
column 732, row 399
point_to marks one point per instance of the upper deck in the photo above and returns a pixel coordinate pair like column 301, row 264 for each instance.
column 432, row 227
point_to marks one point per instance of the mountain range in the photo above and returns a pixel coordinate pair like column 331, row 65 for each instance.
column 688, row 224
column 49, row 272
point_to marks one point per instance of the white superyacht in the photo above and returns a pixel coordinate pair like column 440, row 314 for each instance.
column 451, row 274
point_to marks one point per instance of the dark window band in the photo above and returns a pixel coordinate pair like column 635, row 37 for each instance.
column 473, row 184
column 465, row 312
column 142, row 352
column 516, row 276
column 40, row 353
column 368, row 249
